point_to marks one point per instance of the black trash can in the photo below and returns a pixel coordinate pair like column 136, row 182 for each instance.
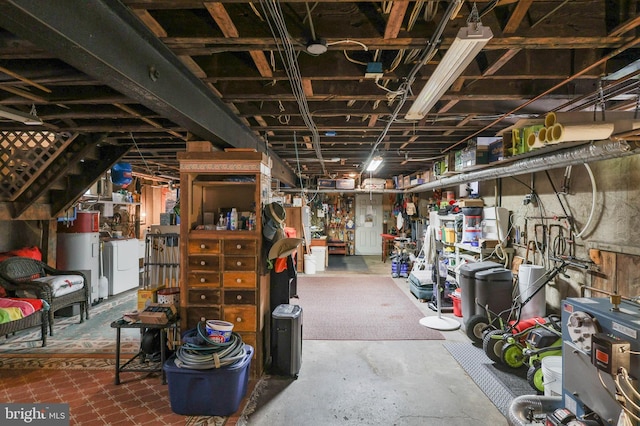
column 468, row 286
column 286, row 340
column 494, row 289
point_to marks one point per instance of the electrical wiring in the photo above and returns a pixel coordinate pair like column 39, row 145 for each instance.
column 628, row 400
column 613, row 396
column 627, row 379
column 594, row 195
column 405, row 87
column 348, row 40
column 352, row 60
column 415, row 13
column 278, row 28
column 397, row 60
column 393, row 92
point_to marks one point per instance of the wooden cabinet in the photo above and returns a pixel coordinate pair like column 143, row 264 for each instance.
column 223, row 273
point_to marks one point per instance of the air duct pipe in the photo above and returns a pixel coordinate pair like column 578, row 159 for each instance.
column 523, row 408
column 601, row 150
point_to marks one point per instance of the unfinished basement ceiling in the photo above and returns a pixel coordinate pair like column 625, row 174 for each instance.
column 151, row 75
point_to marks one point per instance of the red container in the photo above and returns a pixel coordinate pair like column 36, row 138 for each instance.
column 84, row 222
column 457, row 303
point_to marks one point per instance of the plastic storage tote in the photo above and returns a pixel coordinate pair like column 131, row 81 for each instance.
column 214, row 392
column 286, row 340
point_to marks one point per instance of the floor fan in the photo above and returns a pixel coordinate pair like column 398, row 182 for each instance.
column 439, row 322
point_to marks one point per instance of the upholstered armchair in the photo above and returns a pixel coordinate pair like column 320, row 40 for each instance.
column 24, row 277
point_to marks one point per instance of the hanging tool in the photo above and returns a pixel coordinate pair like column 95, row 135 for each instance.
column 531, row 245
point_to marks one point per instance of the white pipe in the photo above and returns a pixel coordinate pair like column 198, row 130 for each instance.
column 593, row 200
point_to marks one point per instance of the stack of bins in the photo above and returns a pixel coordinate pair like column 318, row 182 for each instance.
column 468, row 286
column 494, row 289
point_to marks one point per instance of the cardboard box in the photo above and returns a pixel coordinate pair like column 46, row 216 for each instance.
column 158, row 314
column 496, row 151
column 474, row 155
column 471, row 202
column 406, row 181
column 147, row 297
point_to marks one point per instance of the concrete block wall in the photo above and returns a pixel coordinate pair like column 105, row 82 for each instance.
column 616, row 220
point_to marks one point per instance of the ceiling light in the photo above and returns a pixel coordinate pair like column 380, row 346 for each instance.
column 374, row 164
column 22, row 117
column 317, row 47
column 467, row 44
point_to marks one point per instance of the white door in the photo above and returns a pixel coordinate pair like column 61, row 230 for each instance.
column 368, row 224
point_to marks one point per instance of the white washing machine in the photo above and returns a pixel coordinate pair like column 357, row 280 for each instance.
column 121, row 266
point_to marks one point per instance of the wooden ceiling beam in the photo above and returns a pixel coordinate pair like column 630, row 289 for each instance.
column 195, row 46
column 228, row 28
column 518, row 14
column 396, row 17
column 150, row 22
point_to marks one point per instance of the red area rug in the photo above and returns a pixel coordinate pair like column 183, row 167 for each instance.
column 358, row 308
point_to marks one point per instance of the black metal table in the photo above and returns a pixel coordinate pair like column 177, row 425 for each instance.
column 128, row 367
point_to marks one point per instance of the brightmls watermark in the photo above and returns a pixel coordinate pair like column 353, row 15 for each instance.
column 34, row 414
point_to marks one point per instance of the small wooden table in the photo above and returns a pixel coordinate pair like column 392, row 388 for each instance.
column 337, row 247
column 150, row 367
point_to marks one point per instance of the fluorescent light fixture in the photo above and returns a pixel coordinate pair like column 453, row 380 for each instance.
column 466, row 46
column 374, row 164
column 22, row 117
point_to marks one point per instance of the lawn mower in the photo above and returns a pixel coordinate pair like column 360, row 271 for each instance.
column 542, row 339
column 498, row 333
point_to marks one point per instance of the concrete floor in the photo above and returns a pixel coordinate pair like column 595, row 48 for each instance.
column 374, row 382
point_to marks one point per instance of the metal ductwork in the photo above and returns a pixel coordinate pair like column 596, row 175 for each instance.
column 601, row 150
column 524, row 408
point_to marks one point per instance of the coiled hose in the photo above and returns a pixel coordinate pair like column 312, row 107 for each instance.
column 199, row 352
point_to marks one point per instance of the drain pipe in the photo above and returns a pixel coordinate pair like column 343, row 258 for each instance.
column 596, row 151
column 524, row 408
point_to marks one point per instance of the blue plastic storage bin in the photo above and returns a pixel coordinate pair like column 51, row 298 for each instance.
column 214, row 392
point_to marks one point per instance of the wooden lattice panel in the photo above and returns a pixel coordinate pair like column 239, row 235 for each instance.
column 23, row 155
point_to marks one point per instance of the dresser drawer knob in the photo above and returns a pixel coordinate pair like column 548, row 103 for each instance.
column 203, row 246
column 239, row 297
column 239, row 319
column 202, row 262
column 202, row 280
column 203, row 319
column 239, row 263
column 202, row 297
column 239, row 246
column 238, row 280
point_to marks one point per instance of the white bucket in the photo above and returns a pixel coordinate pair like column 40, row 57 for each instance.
column 320, row 253
column 552, row 374
column 219, row 331
column 530, row 277
column 309, row 264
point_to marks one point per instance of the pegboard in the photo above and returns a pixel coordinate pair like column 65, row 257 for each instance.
column 23, row 156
